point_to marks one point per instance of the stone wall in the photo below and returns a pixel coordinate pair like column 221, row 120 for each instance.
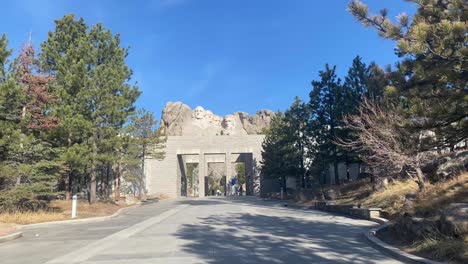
column 350, row 210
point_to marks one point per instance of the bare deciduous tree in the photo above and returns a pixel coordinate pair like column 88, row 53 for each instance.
column 384, row 142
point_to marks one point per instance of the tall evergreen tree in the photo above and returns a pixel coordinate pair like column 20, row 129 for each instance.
column 28, row 165
column 110, row 98
column 328, row 105
column 356, row 83
column 93, row 80
column 65, row 54
column 276, row 151
column 296, row 126
column 11, row 98
column 433, row 72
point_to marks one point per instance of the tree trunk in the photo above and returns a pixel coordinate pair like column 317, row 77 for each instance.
column 348, row 176
column 303, row 176
column 106, row 191
column 92, row 188
column 92, row 184
column 68, row 177
column 114, row 172
column 420, row 176
column 67, row 189
column 337, row 175
column 283, row 185
column 143, row 180
column 117, row 181
column 23, row 115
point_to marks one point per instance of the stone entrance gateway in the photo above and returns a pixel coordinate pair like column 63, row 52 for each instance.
column 210, row 157
column 203, row 150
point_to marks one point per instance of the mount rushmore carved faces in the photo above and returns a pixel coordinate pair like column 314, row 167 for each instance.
column 229, row 125
column 199, row 112
column 178, row 119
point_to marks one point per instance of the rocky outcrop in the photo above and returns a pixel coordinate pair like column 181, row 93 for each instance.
column 172, row 117
column 446, row 166
column 178, row 119
column 255, row 124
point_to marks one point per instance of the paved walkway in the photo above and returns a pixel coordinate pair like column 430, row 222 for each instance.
column 217, row 230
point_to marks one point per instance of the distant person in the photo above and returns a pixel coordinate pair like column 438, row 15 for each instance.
column 240, row 190
column 234, row 186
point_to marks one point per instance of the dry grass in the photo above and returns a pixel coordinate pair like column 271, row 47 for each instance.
column 24, row 218
column 439, row 195
column 448, row 249
column 6, row 229
column 60, row 210
column 391, row 199
column 428, row 205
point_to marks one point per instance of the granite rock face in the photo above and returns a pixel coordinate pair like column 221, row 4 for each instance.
column 256, row 123
column 178, row 119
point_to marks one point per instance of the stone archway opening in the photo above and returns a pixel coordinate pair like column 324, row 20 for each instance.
column 215, row 181
column 192, row 180
column 243, row 170
column 212, row 173
column 188, row 175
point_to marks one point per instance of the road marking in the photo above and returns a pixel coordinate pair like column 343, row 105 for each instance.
column 99, row 246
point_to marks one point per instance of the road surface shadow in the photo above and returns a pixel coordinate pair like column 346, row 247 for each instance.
column 257, row 238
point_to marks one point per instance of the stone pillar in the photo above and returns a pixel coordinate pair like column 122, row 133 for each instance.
column 249, row 167
column 201, row 175
column 228, row 170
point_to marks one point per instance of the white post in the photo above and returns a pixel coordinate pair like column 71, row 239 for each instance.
column 74, row 206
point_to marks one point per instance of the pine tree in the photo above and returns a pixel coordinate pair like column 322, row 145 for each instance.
column 328, row 106
column 286, row 145
column 110, row 98
column 28, row 166
column 356, row 84
column 433, row 73
column 11, row 98
column 92, row 79
column 296, row 118
column 275, row 150
column 65, row 54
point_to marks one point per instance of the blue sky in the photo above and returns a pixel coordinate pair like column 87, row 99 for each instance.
column 226, row 55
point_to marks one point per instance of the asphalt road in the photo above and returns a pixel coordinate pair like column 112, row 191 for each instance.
column 216, row 230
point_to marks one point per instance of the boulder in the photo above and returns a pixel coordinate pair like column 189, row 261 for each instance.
column 330, row 194
column 411, row 196
column 454, row 220
column 454, row 166
column 446, row 166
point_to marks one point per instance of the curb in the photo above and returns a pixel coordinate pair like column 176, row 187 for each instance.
column 11, row 237
column 391, row 250
column 76, row 221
